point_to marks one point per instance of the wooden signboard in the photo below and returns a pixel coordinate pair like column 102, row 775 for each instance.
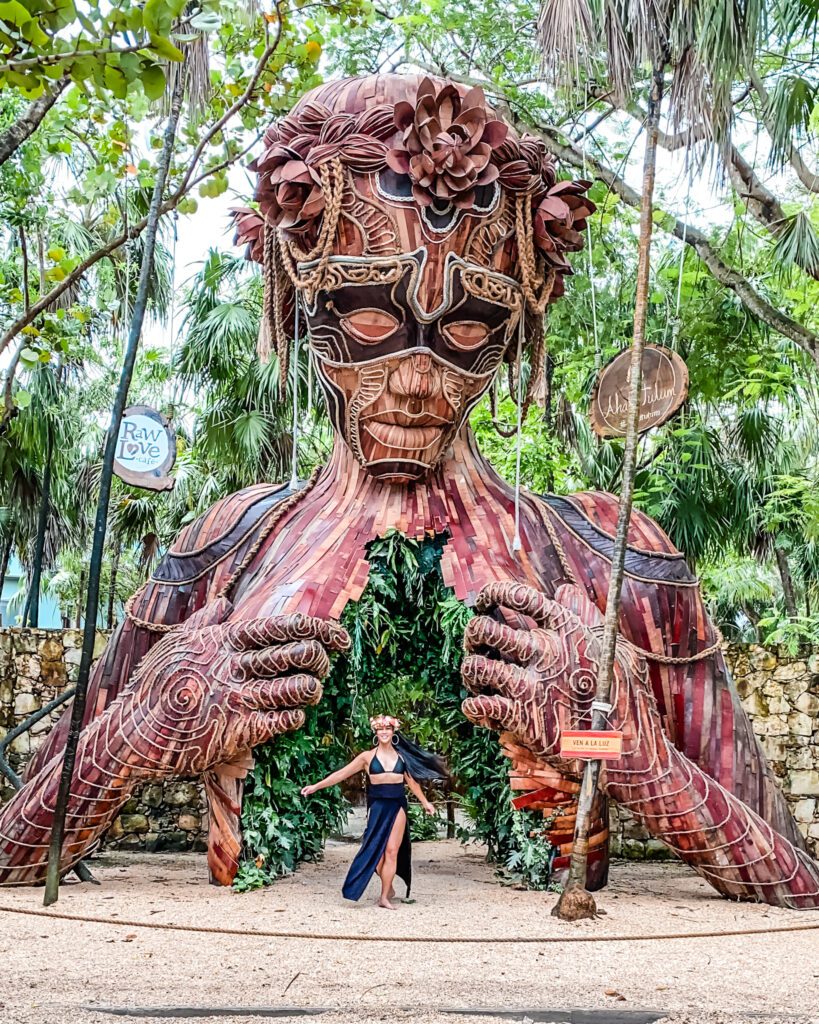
column 590, row 744
column 664, row 389
column 146, row 449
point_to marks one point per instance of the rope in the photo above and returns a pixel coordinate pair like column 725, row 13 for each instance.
column 437, row 939
column 276, row 514
column 294, row 475
column 516, row 541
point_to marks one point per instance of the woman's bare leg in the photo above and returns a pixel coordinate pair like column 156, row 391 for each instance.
column 378, row 869
column 390, row 860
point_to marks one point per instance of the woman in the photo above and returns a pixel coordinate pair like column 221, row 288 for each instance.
column 385, row 846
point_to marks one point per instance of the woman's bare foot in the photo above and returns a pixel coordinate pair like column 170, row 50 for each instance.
column 385, row 903
column 391, row 893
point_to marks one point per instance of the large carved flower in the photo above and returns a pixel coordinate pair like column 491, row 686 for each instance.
column 249, row 225
column 289, row 186
column 447, row 144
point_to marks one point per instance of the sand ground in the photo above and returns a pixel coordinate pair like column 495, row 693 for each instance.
column 54, row 970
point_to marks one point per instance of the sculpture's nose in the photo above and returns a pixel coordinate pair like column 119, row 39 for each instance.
column 416, row 376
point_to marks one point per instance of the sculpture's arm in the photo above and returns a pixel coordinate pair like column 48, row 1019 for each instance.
column 663, row 614
column 535, row 683
column 201, row 696
column 197, row 567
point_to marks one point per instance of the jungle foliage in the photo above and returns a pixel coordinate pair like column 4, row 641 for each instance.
column 407, row 631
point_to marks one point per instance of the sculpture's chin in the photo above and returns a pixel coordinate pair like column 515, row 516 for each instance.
column 399, row 454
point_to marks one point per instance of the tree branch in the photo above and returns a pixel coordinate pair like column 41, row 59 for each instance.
column 188, row 182
column 700, row 243
column 15, row 135
column 58, row 58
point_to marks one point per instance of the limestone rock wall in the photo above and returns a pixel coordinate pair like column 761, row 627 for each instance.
column 779, row 693
column 37, row 665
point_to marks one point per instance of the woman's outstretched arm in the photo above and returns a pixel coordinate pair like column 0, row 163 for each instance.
column 358, row 764
column 416, row 789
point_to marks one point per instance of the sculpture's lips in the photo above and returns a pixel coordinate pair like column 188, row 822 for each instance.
column 410, row 439
column 402, row 418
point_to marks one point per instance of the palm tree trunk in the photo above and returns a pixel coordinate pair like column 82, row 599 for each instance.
column 575, row 902
column 5, row 555
column 788, row 590
column 80, row 591
column 31, row 612
column 92, row 601
column 112, row 587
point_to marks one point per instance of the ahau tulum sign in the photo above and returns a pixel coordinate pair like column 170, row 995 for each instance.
column 146, row 449
column 665, row 388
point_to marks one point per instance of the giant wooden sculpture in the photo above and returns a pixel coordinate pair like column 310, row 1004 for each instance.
column 424, row 240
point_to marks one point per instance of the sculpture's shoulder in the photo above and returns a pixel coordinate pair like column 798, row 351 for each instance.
column 223, row 531
column 589, row 520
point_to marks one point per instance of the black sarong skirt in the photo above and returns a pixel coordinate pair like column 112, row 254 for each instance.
column 383, row 804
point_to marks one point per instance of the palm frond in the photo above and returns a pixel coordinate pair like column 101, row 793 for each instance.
column 798, row 244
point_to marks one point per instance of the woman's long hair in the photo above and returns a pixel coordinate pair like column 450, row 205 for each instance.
column 421, row 764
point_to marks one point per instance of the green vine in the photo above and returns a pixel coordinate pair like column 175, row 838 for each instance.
column 407, row 631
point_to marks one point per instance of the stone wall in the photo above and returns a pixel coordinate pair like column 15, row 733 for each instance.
column 779, row 693
column 37, row 665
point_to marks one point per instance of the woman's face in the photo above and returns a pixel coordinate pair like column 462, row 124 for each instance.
column 385, row 734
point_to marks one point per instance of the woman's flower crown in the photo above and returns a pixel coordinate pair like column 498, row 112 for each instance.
column 384, row 722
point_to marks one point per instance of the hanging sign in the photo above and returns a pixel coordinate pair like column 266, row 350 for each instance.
column 664, row 389
column 592, row 745
column 146, row 449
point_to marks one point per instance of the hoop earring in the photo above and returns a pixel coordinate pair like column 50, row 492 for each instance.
column 375, row 740
column 395, row 741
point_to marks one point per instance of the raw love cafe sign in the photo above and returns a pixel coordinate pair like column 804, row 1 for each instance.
column 146, row 449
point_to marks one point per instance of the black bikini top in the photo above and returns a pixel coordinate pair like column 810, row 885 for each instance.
column 376, row 768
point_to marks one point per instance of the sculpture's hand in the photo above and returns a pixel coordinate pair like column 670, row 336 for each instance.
column 531, row 682
column 205, row 693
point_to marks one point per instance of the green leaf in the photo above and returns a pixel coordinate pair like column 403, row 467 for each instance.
column 153, row 81
column 164, row 48
column 22, row 399
column 13, row 13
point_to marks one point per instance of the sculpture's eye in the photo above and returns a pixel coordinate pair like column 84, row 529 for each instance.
column 465, row 334
column 369, row 326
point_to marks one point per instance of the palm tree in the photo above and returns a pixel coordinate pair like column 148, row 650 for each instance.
column 243, row 429
column 699, row 49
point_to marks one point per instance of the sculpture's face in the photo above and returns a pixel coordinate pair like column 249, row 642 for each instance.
column 405, row 354
column 411, row 221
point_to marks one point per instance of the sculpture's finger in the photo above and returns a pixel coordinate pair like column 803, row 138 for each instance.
column 482, row 674
column 302, row 656
column 492, row 712
column 281, row 692
column 264, row 725
column 519, row 598
column 482, row 631
column 282, row 629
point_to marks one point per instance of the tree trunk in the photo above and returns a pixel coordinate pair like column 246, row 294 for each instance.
column 101, row 520
column 79, row 599
column 788, row 590
column 31, row 612
column 112, row 588
column 575, row 902
column 5, row 555
column 15, row 135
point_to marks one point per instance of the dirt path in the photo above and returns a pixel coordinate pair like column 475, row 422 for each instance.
column 52, row 970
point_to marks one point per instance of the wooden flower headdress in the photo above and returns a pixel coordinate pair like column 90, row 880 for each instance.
column 449, row 147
